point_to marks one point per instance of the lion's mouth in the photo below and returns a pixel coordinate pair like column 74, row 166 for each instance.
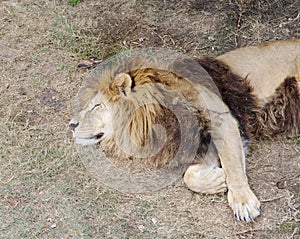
column 98, row 136
column 96, row 139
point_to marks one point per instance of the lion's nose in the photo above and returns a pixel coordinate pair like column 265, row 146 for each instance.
column 73, row 126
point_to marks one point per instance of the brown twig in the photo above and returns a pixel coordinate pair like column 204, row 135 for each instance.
column 272, row 199
column 247, row 231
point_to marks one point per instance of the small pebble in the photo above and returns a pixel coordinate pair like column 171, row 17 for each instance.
column 141, row 39
column 282, row 184
column 141, row 228
column 154, row 221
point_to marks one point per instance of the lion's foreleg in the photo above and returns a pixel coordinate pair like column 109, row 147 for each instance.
column 226, row 137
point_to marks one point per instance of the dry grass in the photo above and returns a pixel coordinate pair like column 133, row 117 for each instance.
column 45, row 190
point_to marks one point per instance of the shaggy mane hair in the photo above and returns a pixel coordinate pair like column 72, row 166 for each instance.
column 236, row 92
column 135, row 117
column 280, row 116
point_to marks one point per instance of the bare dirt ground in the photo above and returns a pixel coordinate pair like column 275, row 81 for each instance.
column 45, row 190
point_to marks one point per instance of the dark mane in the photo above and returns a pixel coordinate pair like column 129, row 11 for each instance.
column 236, row 92
column 281, row 115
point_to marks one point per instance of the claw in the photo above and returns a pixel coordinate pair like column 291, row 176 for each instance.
column 248, row 212
column 237, row 217
column 246, row 208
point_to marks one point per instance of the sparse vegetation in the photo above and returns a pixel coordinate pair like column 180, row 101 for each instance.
column 289, row 226
column 45, row 190
column 74, row 2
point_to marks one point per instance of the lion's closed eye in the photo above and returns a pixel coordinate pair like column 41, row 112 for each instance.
column 97, row 106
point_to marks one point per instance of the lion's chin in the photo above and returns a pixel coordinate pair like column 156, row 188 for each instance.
column 83, row 141
column 89, row 141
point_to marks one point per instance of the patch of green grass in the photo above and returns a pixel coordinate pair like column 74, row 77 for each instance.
column 293, row 141
column 84, row 47
column 289, row 226
column 73, row 2
column 66, row 35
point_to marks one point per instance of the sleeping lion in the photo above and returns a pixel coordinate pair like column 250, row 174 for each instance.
column 145, row 108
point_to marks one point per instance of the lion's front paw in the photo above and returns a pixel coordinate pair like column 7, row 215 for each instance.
column 244, row 204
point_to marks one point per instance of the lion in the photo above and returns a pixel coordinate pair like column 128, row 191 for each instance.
column 259, row 99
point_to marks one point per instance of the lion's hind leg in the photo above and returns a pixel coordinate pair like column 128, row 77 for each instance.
column 208, row 179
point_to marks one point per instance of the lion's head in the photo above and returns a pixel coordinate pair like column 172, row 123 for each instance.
column 136, row 114
column 112, row 104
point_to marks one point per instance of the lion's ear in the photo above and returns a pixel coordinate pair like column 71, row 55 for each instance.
column 123, row 82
